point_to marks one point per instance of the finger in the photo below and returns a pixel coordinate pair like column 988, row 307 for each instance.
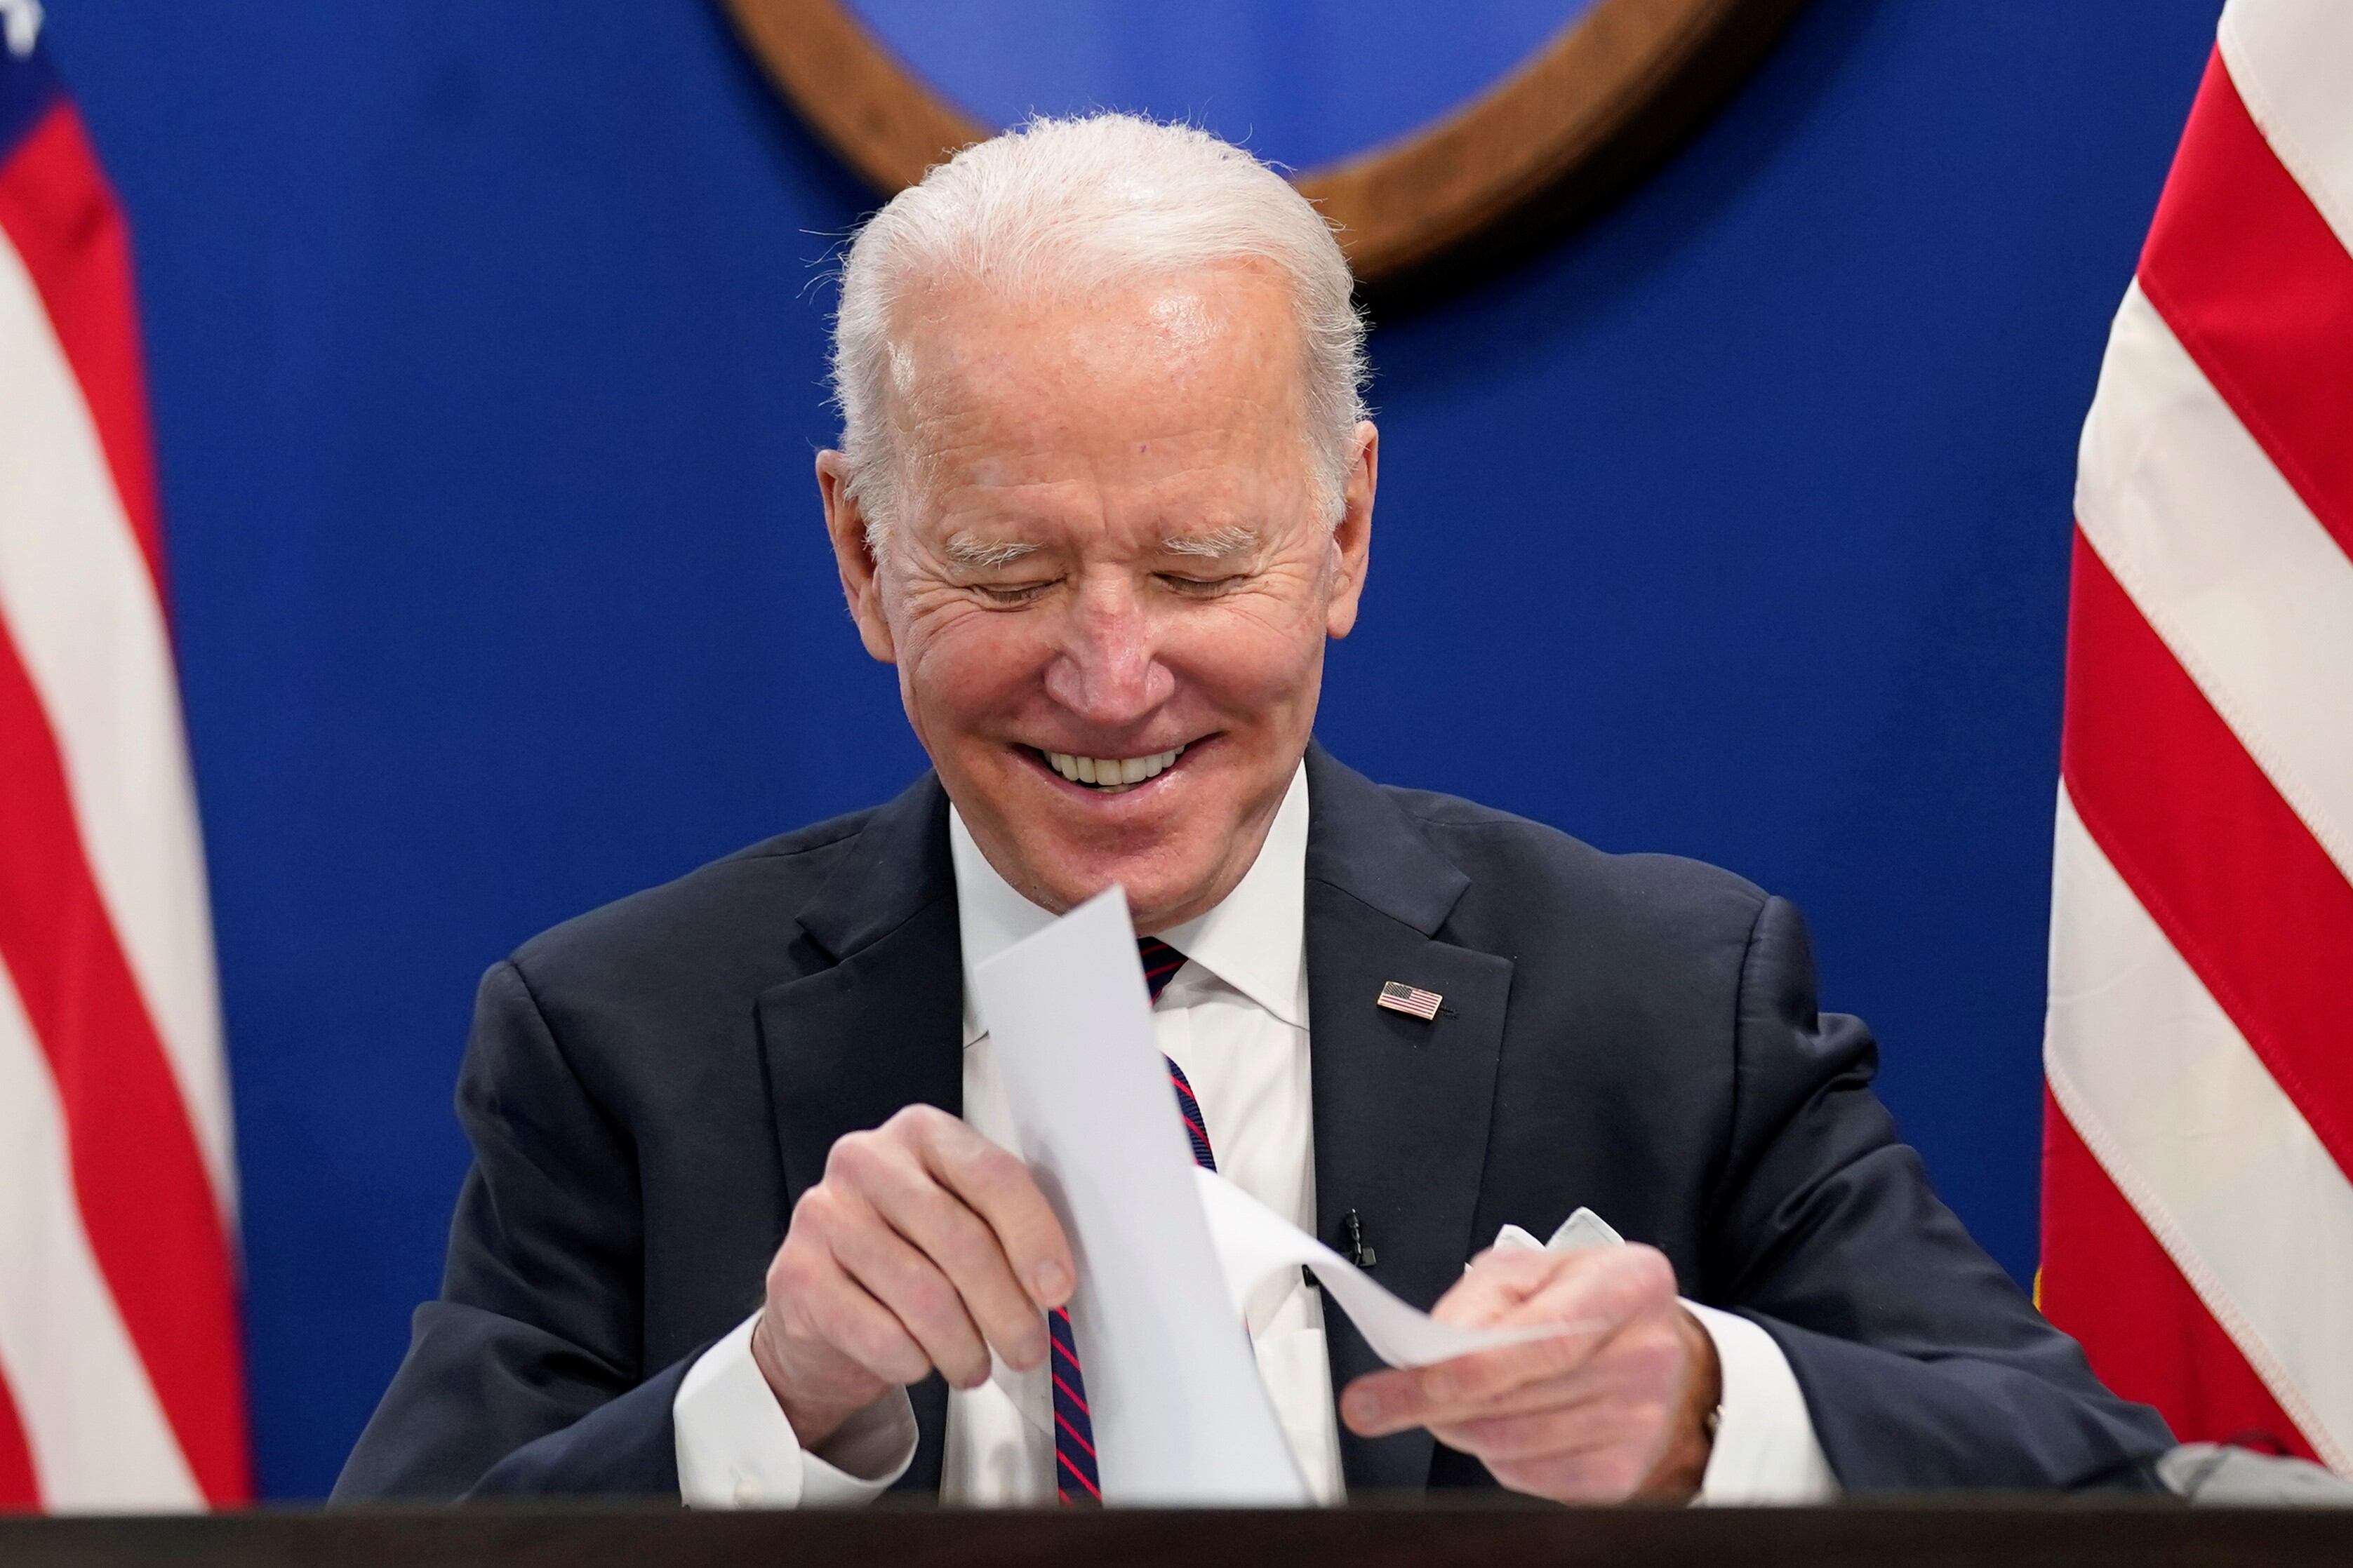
column 999, row 1189
column 1589, row 1382
column 915, row 1205
column 1645, row 1353
column 1591, row 1294
column 1539, row 1434
column 1595, row 1415
column 916, row 1292
column 1612, row 1473
column 1615, row 1284
column 838, row 1313
column 1498, row 1280
column 1381, row 1403
column 1514, row 1285
column 1385, row 1402
column 1646, row 1356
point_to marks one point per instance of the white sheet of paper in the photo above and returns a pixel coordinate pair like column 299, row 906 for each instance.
column 1179, row 1415
column 1167, row 1253
column 1253, row 1241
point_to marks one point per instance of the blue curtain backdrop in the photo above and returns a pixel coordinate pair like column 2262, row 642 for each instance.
column 486, row 371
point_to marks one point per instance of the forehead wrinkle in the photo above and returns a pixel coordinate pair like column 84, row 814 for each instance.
column 1004, row 433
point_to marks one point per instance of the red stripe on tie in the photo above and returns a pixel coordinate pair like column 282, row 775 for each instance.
column 139, row 1180
column 61, row 214
column 1072, row 1394
column 1072, row 1465
column 20, row 1490
column 1076, row 1436
column 2107, row 1281
column 2227, row 869
column 2255, row 283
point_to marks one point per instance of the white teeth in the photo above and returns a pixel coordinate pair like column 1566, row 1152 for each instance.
column 1111, row 773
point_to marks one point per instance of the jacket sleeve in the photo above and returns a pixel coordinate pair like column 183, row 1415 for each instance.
column 1921, row 1364
column 523, row 1377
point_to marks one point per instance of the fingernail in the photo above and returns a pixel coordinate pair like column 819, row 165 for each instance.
column 1363, row 1409
column 1053, row 1283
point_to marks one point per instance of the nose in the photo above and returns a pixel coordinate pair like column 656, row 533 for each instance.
column 1107, row 670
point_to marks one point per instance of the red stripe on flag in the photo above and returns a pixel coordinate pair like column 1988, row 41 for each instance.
column 2251, row 279
column 140, row 1181
column 2229, row 872
column 2107, row 1281
column 61, row 215
column 20, row 1490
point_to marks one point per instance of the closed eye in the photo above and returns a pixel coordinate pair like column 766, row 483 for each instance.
column 1201, row 587
column 1009, row 594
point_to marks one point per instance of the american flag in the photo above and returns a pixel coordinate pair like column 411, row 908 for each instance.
column 1399, row 997
column 2197, row 1219
column 121, row 1382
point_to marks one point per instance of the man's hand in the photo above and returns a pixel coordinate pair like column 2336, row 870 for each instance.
column 1616, row 1410
column 924, row 1246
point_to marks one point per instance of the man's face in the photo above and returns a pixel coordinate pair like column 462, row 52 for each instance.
column 1109, row 550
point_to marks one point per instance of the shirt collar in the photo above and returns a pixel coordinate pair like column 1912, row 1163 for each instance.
column 1253, row 940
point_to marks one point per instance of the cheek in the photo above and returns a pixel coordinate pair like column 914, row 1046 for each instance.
column 1253, row 657
column 958, row 666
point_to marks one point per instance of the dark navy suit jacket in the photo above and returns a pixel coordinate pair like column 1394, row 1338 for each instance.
column 649, row 1089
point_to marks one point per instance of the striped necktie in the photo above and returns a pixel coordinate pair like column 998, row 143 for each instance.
column 1075, row 1482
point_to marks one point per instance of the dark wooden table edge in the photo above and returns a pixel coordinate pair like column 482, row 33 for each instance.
column 1923, row 1530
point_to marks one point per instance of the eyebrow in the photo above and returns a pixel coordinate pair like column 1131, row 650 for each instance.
column 1216, row 545
column 963, row 550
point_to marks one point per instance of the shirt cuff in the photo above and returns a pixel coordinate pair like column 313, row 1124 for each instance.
column 736, row 1449
column 1765, row 1450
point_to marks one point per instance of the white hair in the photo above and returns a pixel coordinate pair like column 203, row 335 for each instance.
column 1063, row 204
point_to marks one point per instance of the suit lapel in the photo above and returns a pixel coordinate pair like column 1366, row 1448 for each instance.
column 1402, row 1107
column 877, row 1025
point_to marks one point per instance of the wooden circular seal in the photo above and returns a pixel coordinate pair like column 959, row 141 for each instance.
column 1599, row 105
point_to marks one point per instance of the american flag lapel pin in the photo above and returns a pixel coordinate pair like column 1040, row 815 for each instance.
column 1399, row 997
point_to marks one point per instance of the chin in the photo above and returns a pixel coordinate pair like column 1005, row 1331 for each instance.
column 1145, row 890
column 1150, row 883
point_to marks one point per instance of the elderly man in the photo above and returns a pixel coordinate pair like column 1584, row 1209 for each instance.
column 741, row 1226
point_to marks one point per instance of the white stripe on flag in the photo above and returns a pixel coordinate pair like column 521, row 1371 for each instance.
column 82, row 608
column 2194, row 1131
column 2288, row 58
column 99, row 1437
column 2228, row 565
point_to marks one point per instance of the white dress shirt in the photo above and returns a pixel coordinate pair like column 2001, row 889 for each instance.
column 1235, row 1018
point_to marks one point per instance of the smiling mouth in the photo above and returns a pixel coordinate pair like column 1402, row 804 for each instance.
column 1109, row 776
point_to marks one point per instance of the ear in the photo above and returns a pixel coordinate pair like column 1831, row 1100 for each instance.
column 1352, row 539
column 862, row 582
